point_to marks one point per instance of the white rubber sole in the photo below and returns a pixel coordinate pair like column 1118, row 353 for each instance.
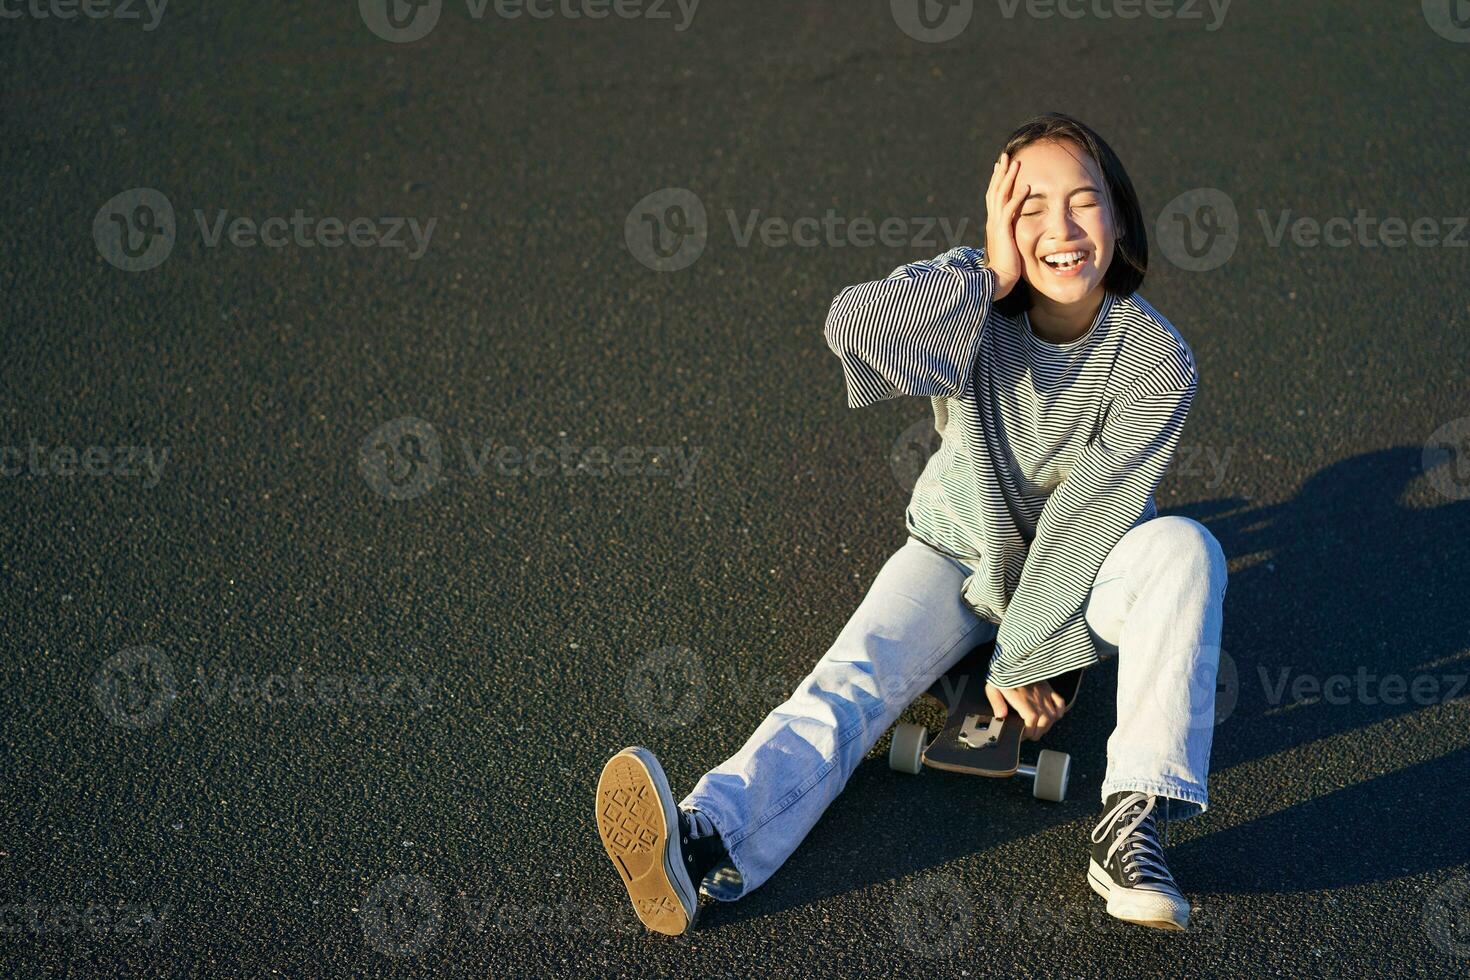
column 639, row 826
column 1145, row 908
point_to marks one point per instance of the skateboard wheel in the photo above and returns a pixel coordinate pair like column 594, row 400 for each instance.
column 1052, row 771
column 906, row 754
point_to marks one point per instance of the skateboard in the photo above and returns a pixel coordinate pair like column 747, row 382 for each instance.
column 974, row 742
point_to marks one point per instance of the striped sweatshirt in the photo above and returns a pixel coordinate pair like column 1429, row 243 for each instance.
column 1050, row 453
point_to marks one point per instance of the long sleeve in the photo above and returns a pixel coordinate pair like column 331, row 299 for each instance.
column 1044, row 632
column 915, row 332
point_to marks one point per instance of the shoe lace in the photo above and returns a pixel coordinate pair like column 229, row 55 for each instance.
column 1132, row 821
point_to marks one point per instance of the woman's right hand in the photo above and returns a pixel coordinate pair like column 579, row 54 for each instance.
column 1038, row 705
column 1003, row 202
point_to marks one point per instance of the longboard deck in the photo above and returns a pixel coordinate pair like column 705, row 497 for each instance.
column 970, row 742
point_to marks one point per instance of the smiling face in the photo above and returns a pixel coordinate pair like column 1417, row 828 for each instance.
column 1066, row 228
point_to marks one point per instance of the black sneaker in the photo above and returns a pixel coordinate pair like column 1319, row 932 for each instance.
column 661, row 853
column 1127, row 866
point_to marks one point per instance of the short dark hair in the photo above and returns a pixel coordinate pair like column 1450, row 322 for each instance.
column 1130, row 253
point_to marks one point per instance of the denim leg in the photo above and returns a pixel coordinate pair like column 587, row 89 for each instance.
column 911, row 626
column 1157, row 601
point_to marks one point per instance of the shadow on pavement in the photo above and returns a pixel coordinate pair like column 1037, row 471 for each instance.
column 1345, row 580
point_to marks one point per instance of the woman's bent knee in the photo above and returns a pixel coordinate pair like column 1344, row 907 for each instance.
column 1185, row 541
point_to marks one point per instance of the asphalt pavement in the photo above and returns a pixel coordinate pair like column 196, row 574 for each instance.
column 404, row 408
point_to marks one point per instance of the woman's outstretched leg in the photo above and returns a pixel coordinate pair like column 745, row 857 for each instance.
column 747, row 815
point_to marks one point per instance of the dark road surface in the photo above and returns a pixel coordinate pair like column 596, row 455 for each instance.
column 274, row 707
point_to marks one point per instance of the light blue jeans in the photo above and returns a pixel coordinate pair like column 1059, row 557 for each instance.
column 1156, row 604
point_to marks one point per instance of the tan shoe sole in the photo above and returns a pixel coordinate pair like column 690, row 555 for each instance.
column 635, row 814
